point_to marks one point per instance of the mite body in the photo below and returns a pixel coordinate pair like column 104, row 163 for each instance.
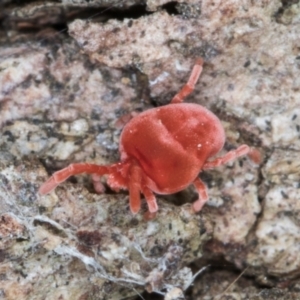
column 162, row 151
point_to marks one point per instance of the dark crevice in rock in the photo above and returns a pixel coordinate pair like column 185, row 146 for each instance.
column 171, row 8
column 286, row 4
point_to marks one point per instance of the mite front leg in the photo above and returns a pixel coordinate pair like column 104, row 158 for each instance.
column 150, row 198
column 134, row 186
column 202, row 192
column 190, row 85
column 151, row 202
column 73, row 169
column 231, row 155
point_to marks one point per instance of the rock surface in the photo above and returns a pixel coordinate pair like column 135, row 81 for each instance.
column 60, row 97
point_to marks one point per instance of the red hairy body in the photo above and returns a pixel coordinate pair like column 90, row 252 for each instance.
column 162, row 151
column 176, row 141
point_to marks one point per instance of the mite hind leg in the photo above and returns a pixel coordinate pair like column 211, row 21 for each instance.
column 229, row 156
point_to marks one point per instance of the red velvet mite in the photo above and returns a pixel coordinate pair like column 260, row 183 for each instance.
column 162, row 151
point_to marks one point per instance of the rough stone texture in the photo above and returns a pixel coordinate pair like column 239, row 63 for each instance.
column 145, row 36
column 88, row 245
column 101, row 3
column 222, row 285
column 58, row 113
column 59, row 103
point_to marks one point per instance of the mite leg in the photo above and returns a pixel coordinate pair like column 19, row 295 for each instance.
column 202, row 192
column 98, row 186
column 150, row 198
column 231, row 155
column 255, row 156
column 152, row 204
column 73, row 169
column 123, row 120
column 190, row 85
column 134, row 186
